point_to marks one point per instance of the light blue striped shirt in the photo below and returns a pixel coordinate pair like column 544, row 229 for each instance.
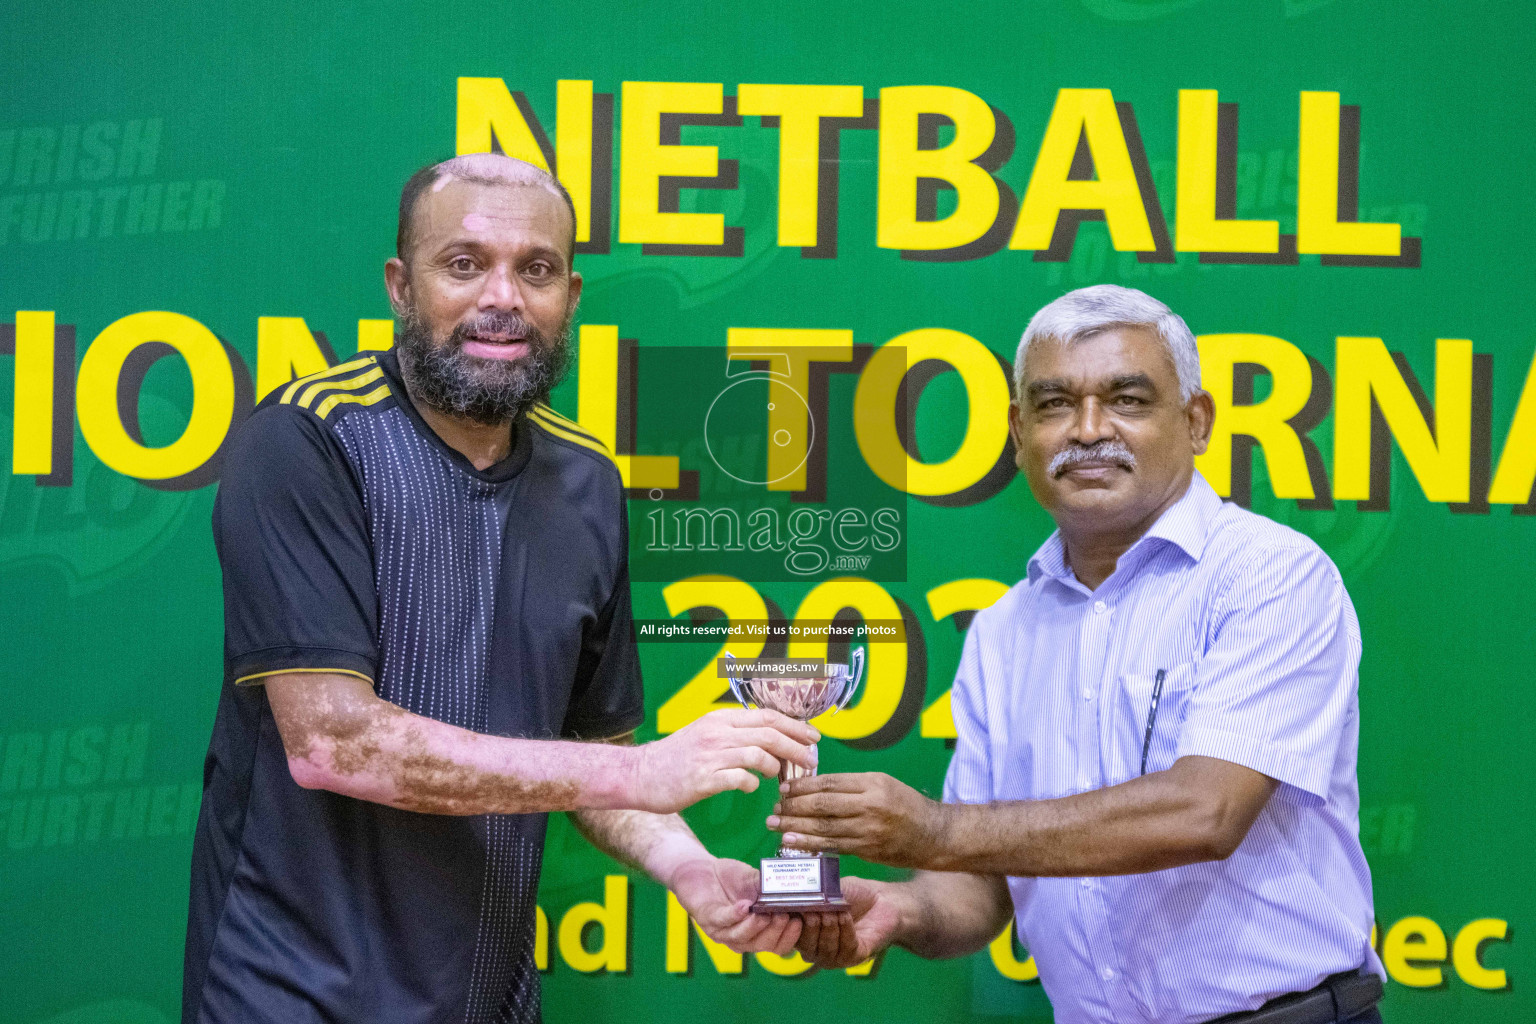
column 1261, row 646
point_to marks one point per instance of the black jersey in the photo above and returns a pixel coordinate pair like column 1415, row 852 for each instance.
column 353, row 540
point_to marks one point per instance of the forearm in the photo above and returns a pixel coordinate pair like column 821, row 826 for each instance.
column 374, row 750
column 658, row 844
column 944, row 914
column 1153, row 822
column 341, row 736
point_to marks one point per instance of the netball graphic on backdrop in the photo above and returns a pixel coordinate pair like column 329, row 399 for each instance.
column 782, row 493
column 741, row 408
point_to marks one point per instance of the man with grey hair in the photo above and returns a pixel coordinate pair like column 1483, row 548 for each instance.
column 427, row 629
column 1154, row 772
column 1079, row 315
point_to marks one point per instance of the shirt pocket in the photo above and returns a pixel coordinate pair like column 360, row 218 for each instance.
column 1135, row 710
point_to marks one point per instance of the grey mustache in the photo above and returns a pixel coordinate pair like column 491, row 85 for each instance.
column 1100, row 451
column 498, row 323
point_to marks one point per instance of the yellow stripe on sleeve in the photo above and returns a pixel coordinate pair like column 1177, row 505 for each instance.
column 313, row 391
column 330, row 402
column 341, row 369
column 559, row 431
column 564, row 421
column 256, row 677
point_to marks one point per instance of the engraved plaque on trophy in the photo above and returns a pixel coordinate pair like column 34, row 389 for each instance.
column 800, row 880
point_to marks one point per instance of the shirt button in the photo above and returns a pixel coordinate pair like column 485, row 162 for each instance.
column 1099, row 607
column 1109, row 974
column 1087, row 694
column 1086, row 884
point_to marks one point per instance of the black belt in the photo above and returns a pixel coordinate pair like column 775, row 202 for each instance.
column 1338, row 998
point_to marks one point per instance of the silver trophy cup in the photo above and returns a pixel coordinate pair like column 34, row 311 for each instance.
column 798, row 880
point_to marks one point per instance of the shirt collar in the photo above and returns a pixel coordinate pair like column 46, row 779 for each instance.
column 1050, row 560
column 1185, row 524
column 1188, row 520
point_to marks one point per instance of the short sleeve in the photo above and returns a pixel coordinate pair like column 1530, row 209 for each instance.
column 969, row 779
column 608, row 698
column 293, row 544
column 1278, row 686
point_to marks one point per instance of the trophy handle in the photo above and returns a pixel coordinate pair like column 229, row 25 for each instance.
column 856, row 665
column 736, row 684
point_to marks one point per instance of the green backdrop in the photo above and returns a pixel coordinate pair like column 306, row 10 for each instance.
column 226, row 166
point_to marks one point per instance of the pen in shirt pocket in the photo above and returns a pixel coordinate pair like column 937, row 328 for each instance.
column 1157, row 693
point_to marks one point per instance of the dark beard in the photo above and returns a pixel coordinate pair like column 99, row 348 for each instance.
column 487, row 391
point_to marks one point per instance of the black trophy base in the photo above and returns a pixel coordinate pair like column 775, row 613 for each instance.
column 800, row 885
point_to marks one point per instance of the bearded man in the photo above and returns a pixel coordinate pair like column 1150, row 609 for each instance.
column 427, row 607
